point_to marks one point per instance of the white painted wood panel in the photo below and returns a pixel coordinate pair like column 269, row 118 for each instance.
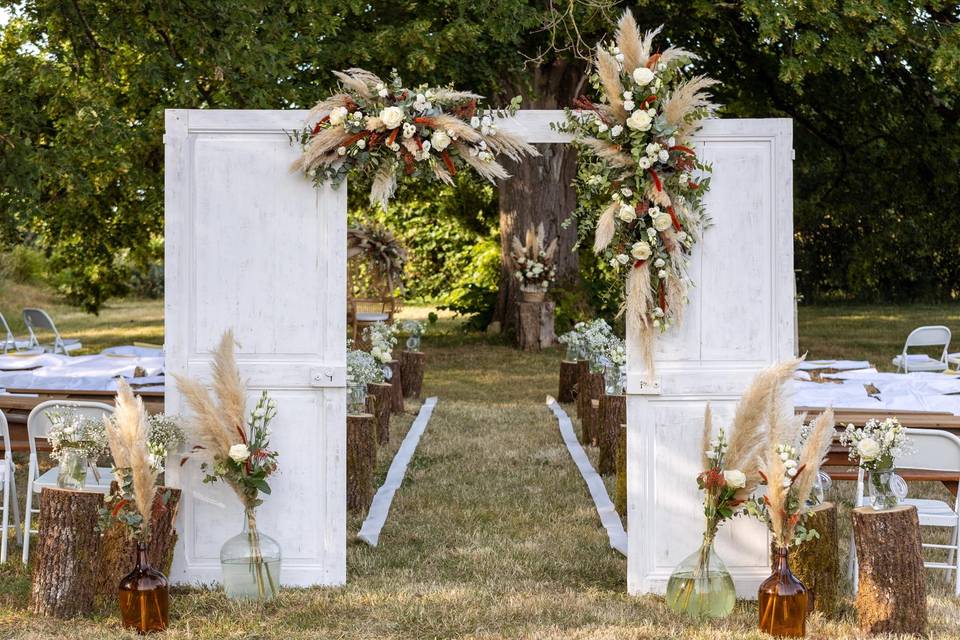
column 740, row 319
column 253, row 247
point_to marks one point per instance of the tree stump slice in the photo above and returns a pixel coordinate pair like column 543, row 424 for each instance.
column 583, row 370
column 620, row 498
column 816, row 563
column 568, row 381
column 590, row 421
column 379, row 403
column 613, row 413
column 528, row 325
column 361, row 458
column 119, row 553
column 893, row 596
column 396, row 382
column 67, row 555
column 412, row 364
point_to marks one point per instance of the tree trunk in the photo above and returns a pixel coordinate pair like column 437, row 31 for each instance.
column 620, row 500
column 816, row 563
column 68, row 551
column 568, row 382
column 396, row 382
column 379, row 401
column 120, row 552
column 613, row 413
column 540, row 188
column 583, row 370
column 412, row 364
column 892, row 597
column 590, row 420
column 361, row 458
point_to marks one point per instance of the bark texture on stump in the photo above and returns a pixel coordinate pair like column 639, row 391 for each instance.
column 816, row 563
column 613, row 413
column 590, row 421
column 583, row 370
column 412, row 364
column 396, row 382
column 361, row 458
column 893, row 595
column 620, row 499
column 120, row 552
column 67, row 554
column 379, row 401
column 568, row 381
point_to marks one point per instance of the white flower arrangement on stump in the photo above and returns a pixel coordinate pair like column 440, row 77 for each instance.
column 534, row 262
column 382, row 338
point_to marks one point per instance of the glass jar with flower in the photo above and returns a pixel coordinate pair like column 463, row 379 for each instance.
column 874, row 448
column 362, row 370
column 414, row 331
column 76, row 442
column 614, row 375
column 573, row 341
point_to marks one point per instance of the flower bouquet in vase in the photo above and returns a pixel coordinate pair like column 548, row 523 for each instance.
column 76, row 442
column 143, row 593
column 701, row 586
column 236, row 450
column 362, row 370
column 790, row 476
column 875, row 448
column 533, row 262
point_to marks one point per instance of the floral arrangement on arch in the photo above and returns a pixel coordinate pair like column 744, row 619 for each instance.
column 639, row 182
column 533, row 260
column 386, row 132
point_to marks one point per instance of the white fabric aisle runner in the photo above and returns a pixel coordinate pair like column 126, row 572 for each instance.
column 380, row 507
column 598, row 491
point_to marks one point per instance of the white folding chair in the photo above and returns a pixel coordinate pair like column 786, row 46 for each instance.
column 9, row 485
column 931, row 450
column 933, row 336
column 9, row 340
column 40, row 320
column 38, row 427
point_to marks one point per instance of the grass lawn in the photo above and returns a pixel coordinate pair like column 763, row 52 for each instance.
column 493, row 534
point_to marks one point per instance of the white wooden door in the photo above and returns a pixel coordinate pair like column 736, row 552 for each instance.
column 253, row 247
column 739, row 320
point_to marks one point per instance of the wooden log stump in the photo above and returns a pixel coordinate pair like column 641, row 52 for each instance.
column 412, row 364
column 583, row 370
column 535, row 328
column 568, row 381
column 613, row 413
column 620, row 498
column 119, row 553
column 379, row 403
column 892, row 597
column 361, row 458
column 590, row 421
column 816, row 563
column 68, row 552
column 396, row 382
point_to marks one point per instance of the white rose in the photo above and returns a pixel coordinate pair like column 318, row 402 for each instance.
column 239, row 452
column 627, row 191
column 475, row 122
column 408, row 130
column 734, row 478
column 623, row 258
column 651, row 233
column 440, row 140
column 640, row 250
column 662, row 222
column 341, row 151
column 628, row 95
column 659, row 262
column 616, row 130
column 627, row 213
column 391, row 117
column 629, row 105
column 601, row 127
column 643, row 76
column 619, row 57
column 426, row 146
column 338, row 115
column 869, row 449
column 362, row 143
column 614, row 263
column 792, row 472
column 889, row 436
column 644, row 162
column 652, row 149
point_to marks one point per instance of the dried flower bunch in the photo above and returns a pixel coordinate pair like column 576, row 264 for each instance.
column 382, row 249
column 639, row 180
column 534, row 262
column 385, row 131
column 136, row 475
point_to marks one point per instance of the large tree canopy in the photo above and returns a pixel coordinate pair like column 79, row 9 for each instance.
column 871, row 84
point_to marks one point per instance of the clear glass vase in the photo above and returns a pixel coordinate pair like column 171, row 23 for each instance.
column 820, row 487
column 700, row 586
column 72, row 471
column 783, row 601
column 250, row 562
column 885, row 488
column 144, row 596
column 613, row 379
column 597, row 363
column 573, row 353
column 413, row 342
column 356, row 398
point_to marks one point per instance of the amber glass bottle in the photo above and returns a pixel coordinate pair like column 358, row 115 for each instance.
column 144, row 596
column 783, row 601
